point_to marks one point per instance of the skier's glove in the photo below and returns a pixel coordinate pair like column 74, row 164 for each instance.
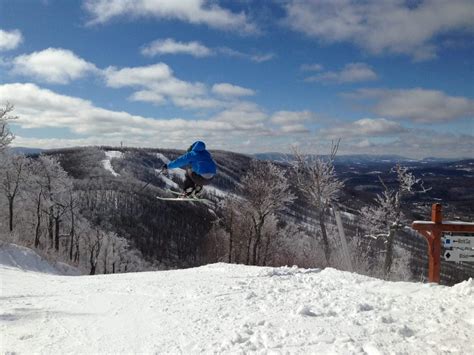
column 164, row 169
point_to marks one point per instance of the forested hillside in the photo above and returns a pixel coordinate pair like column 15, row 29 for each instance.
column 96, row 209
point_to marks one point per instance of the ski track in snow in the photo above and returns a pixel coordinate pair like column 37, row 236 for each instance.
column 223, row 308
column 111, row 154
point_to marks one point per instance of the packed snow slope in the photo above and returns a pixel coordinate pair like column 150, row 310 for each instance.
column 223, row 308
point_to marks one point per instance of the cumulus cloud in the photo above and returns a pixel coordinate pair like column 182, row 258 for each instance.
column 366, row 127
column 242, row 113
column 351, row 73
column 415, row 144
column 288, row 118
column 392, row 26
column 38, row 107
column 418, row 105
column 294, row 128
column 42, row 108
column 229, row 90
column 171, row 46
column 199, row 50
column 159, row 85
column 52, row 65
column 10, row 39
column 137, row 76
column 197, row 12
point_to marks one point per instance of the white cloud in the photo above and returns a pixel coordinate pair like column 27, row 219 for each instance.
column 258, row 58
column 311, row 67
column 197, row 49
column 289, row 118
column 171, row 46
column 351, row 73
column 415, row 144
column 417, row 104
column 52, row 65
column 137, row 76
column 295, row 128
column 38, row 107
column 10, row 39
column 148, row 96
column 198, row 12
column 393, row 26
column 159, row 85
column 229, row 90
column 366, row 127
column 242, row 113
column 42, row 108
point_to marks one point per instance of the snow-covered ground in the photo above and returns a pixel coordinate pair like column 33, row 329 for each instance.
column 111, row 154
column 224, row 308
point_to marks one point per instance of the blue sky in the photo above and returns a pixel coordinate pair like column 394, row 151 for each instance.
column 392, row 77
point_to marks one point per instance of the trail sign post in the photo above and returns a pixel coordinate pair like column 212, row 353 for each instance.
column 432, row 231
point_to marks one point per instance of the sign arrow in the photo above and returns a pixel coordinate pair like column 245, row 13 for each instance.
column 458, row 242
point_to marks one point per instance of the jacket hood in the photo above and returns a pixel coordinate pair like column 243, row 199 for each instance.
column 198, row 146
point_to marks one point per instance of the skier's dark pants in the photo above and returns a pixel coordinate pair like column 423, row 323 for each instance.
column 193, row 180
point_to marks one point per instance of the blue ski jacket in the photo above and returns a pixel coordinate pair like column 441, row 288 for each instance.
column 199, row 158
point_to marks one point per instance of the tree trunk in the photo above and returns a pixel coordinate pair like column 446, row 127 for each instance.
column 72, row 233
column 389, row 252
column 56, row 232
column 247, row 261
column 93, row 262
column 327, row 249
column 10, row 208
column 265, row 255
column 38, row 221
column 258, row 237
column 50, row 227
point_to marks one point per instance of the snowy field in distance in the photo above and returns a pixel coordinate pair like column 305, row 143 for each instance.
column 223, row 308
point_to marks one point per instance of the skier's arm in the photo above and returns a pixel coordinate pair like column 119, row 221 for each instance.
column 183, row 160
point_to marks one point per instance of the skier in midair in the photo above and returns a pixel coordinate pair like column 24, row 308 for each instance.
column 200, row 168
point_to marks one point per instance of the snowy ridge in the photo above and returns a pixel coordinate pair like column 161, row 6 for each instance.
column 224, row 308
column 111, row 154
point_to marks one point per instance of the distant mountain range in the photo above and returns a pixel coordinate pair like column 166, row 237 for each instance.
column 282, row 157
column 27, row 151
column 357, row 158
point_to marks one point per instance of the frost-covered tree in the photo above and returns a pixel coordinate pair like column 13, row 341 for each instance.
column 316, row 179
column 385, row 217
column 6, row 136
column 266, row 191
column 94, row 243
column 57, row 187
column 12, row 178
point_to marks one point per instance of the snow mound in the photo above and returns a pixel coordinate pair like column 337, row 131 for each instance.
column 16, row 256
column 233, row 309
column 23, row 258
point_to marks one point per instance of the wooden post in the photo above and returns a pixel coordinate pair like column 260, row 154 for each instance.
column 432, row 231
column 434, row 244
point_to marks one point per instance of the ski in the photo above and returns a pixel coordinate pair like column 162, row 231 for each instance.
column 182, row 198
column 179, row 199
